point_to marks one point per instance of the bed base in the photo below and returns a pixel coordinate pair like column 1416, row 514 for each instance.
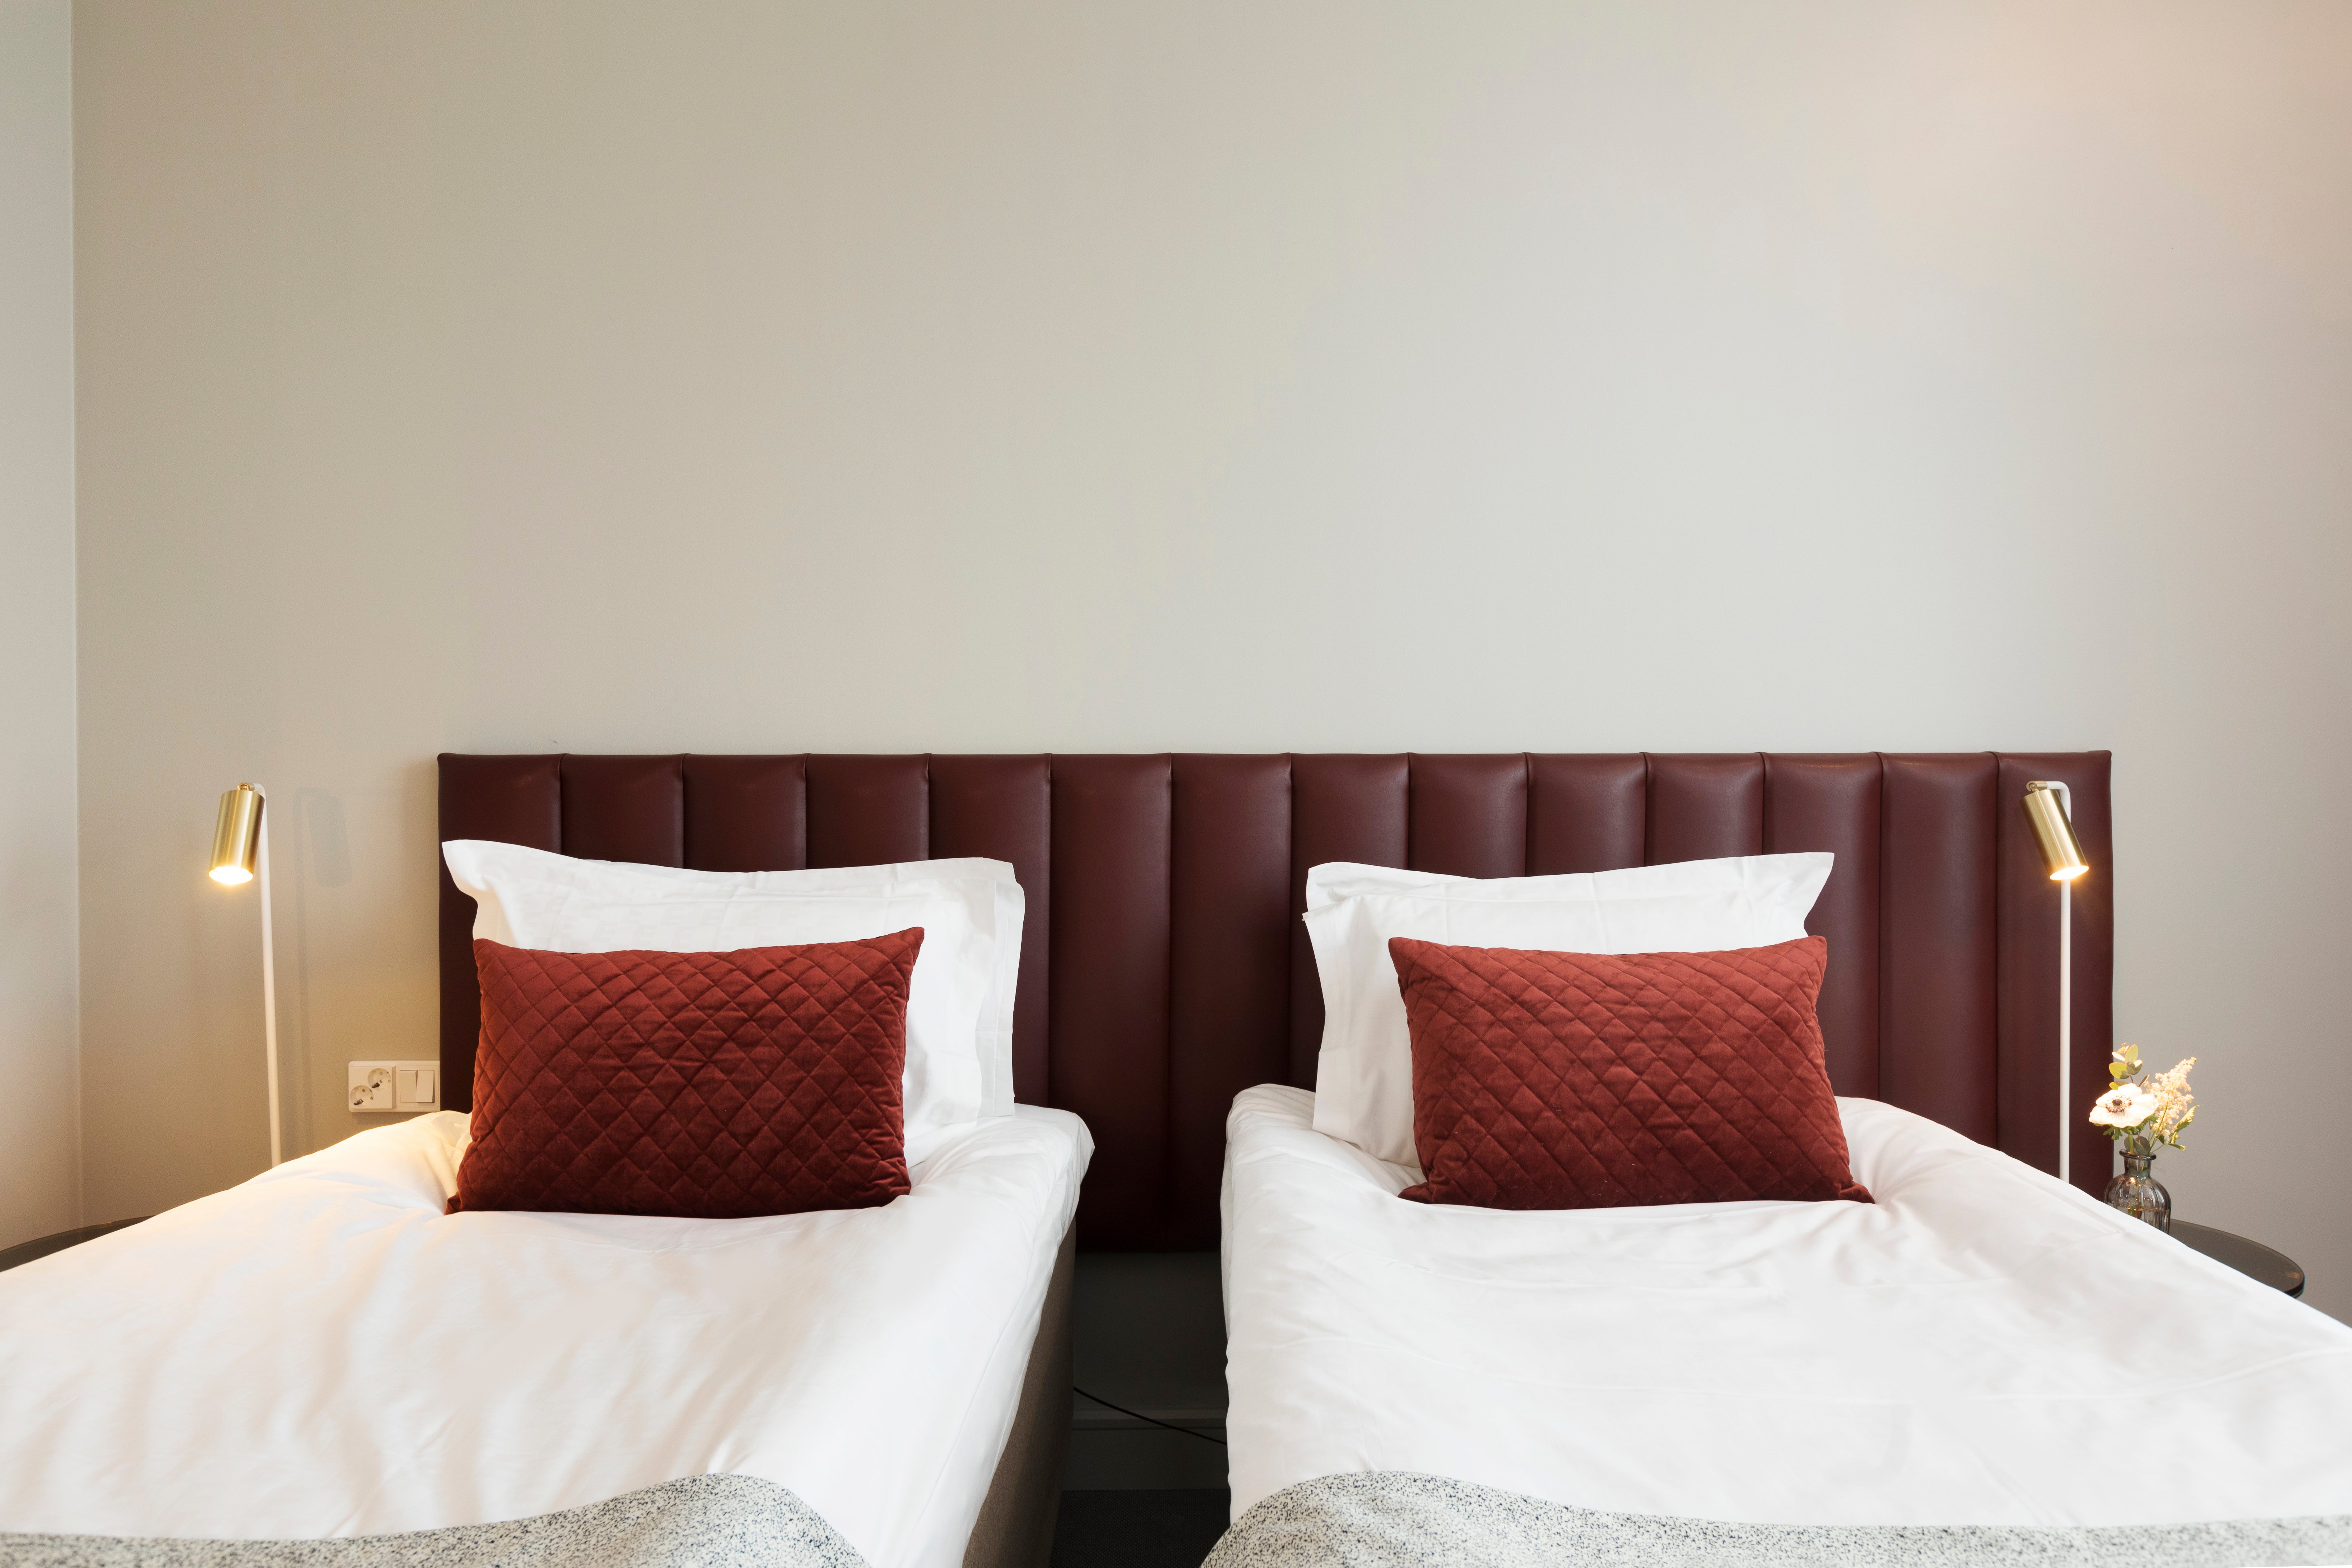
column 1015, row 1527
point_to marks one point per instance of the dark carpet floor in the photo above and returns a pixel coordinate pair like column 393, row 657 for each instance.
column 1138, row 1529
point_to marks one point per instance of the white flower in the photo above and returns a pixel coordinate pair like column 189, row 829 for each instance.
column 2126, row 1105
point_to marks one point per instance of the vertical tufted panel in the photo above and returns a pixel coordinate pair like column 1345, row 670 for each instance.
column 1937, row 1050
column 1163, row 967
column 869, row 811
column 504, row 799
column 625, row 808
column 1229, row 961
column 746, row 813
column 1003, row 808
column 1342, row 807
column 2028, row 938
column 1468, row 815
column 1704, row 807
column 1587, row 814
column 1109, row 985
column 507, row 800
column 1831, row 802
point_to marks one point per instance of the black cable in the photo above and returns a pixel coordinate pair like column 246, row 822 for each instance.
column 1139, row 1416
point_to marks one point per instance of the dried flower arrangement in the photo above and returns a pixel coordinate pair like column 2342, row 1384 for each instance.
column 2139, row 1111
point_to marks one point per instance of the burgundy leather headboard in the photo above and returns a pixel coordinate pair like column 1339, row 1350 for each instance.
column 1163, row 968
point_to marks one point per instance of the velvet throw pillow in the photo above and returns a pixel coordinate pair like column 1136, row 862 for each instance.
column 705, row 1085
column 1559, row 1081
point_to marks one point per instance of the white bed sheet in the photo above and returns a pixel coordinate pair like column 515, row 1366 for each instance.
column 321, row 1351
column 1981, row 1346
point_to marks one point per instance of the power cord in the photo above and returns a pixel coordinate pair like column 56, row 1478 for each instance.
column 1139, row 1416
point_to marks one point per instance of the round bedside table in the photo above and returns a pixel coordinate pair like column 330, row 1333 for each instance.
column 2251, row 1258
column 25, row 1252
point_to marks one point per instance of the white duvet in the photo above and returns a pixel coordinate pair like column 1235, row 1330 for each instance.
column 322, row 1352
column 1981, row 1346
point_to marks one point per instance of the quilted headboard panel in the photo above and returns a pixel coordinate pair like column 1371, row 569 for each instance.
column 1163, row 968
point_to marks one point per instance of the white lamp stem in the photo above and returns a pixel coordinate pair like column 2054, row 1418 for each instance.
column 269, row 986
column 2066, row 1007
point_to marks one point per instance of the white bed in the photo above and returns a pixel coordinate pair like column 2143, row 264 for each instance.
column 1981, row 1346
column 321, row 1351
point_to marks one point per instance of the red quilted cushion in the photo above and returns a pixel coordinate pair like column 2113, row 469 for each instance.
column 710, row 1085
column 1562, row 1080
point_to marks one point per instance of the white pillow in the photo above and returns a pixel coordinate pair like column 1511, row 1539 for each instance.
column 1363, row 1079
column 995, row 1038
column 958, row 1005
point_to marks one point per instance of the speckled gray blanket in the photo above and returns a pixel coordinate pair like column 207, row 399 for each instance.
column 1395, row 1521
column 702, row 1521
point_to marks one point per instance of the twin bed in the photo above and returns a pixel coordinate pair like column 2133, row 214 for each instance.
column 1981, row 1365
column 322, row 1352
column 2028, row 1373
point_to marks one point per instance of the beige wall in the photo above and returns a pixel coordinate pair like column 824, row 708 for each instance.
column 39, row 1159
column 716, row 376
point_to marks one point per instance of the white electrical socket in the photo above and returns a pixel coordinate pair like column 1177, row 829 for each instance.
column 395, row 1086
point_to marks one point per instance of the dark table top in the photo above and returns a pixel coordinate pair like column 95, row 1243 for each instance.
column 25, row 1252
column 2251, row 1259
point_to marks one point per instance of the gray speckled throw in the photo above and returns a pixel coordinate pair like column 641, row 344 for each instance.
column 702, row 1521
column 1388, row 1519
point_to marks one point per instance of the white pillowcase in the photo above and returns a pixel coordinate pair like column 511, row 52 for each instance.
column 1363, row 1079
column 958, row 1004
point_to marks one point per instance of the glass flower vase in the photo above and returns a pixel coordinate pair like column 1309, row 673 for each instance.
column 2140, row 1194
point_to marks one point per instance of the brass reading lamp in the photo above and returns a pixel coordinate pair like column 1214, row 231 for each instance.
column 241, row 853
column 2046, row 801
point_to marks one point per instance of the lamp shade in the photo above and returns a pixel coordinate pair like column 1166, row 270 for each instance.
column 2061, row 851
column 236, row 835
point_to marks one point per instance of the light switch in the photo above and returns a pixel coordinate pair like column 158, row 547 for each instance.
column 415, row 1083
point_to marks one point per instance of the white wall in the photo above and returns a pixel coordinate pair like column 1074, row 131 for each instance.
column 711, row 376
column 39, row 1154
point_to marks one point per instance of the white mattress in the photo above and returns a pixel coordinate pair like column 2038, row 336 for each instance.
column 321, row 1351
column 1981, row 1346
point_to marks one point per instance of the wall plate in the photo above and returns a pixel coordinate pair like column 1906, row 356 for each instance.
column 394, row 1087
